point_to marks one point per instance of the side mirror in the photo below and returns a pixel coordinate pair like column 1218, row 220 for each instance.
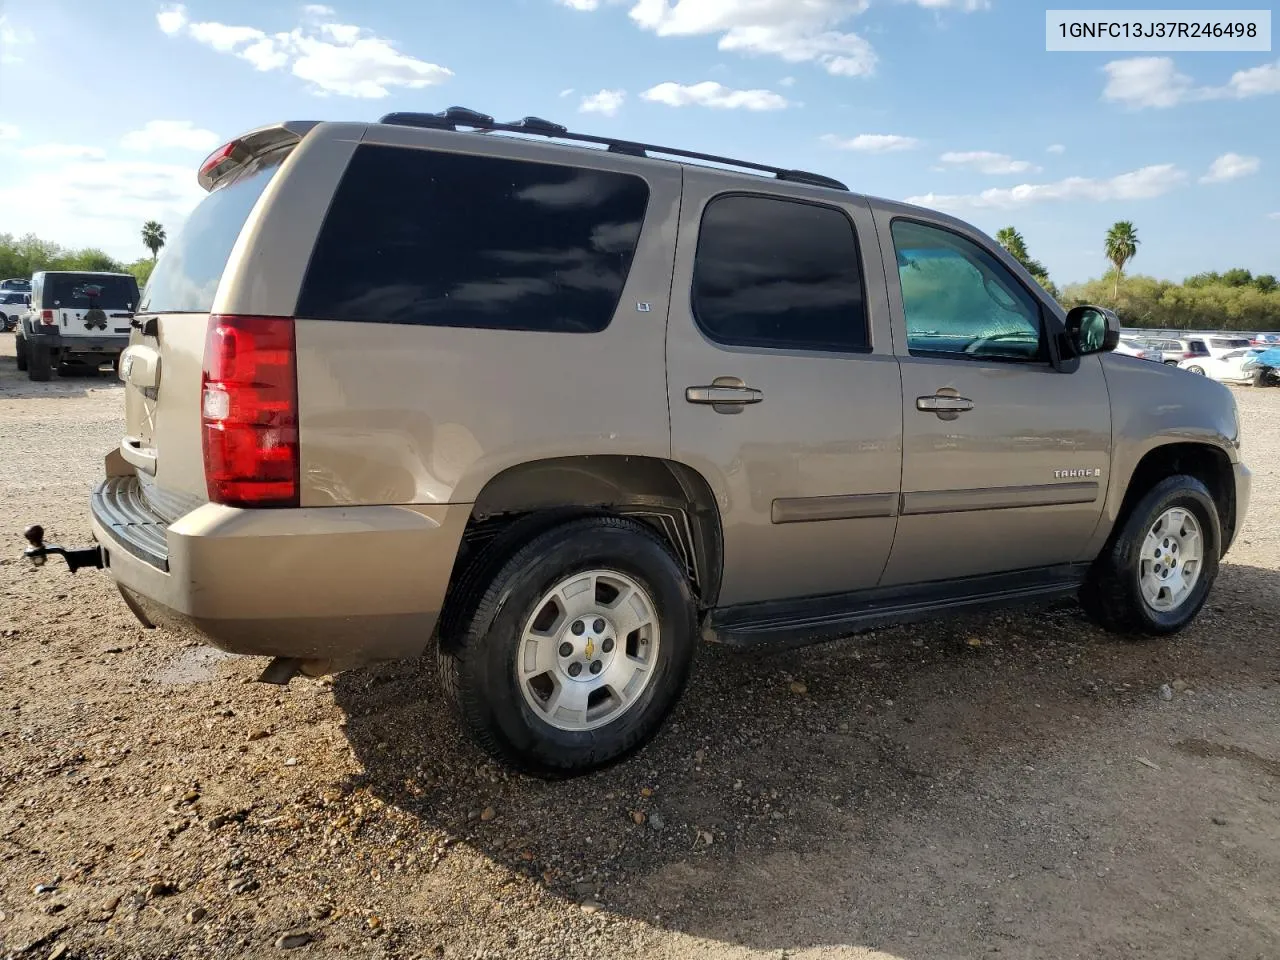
column 1092, row 329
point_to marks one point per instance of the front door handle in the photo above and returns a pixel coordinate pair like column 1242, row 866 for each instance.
column 724, row 394
column 943, row 405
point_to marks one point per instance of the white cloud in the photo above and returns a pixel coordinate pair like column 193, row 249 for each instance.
column 1256, row 81
column 9, row 132
column 335, row 58
column 1142, row 184
column 795, row 32
column 872, row 142
column 172, row 19
column 317, row 10
column 1154, row 82
column 1231, row 166
column 708, row 93
column 62, row 151
column 1274, row 216
column 607, row 102
column 566, row 92
column 1055, row 148
column 1145, row 82
column 176, row 134
column 968, row 6
column 12, row 37
column 99, row 203
column 984, row 161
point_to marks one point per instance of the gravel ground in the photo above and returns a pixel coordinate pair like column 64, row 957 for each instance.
column 1016, row 784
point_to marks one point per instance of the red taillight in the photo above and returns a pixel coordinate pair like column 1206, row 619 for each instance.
column 217, row 158
column 46, row 317
column 249, row 412
column 1188, row 355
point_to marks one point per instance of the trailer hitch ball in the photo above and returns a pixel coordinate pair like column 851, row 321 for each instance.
column 35, row 537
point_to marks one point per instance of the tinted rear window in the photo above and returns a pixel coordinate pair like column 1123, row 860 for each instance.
column 779, row 273
column 443, row 239
column 80, row 291
column 186, row 278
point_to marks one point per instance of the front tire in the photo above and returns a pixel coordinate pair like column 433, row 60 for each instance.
column 577, row 649
column 1196, row 370
column 1159, row 565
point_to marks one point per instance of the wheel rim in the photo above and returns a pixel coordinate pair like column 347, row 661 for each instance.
column 1199, row 370
column 588, row 651
column 1171, row 559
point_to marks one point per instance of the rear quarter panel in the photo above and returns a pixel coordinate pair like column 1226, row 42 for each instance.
column 1151, row 405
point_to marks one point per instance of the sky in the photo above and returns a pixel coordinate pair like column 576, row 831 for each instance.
column 108, row 106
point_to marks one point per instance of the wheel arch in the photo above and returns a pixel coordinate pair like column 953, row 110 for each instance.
column 673, row 498
column 1207, row 463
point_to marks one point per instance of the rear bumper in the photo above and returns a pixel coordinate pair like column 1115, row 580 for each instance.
column 346, row 585
column 51, row 336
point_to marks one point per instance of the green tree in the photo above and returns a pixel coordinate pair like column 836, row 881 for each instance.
column 142, row 270
column 87, row 259
column 1012, row 240
column 153, row 237
column 1266, row 282
column 1237, row 277
column 1121, row 247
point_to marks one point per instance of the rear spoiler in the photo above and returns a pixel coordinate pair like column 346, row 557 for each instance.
column 231, row 156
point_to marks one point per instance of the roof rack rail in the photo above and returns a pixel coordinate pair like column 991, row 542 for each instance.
column 455, row 117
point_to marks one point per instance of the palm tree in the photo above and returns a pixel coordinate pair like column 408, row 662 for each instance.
column 1121, row 247
column 1011, row 240
column 153, row 238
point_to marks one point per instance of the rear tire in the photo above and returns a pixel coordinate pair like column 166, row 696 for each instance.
column 20, row 349
column 39, row 362
column 1196, row 370
column 506, row 669
column 1134, row 586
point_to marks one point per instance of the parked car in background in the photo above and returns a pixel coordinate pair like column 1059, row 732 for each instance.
column 1220, row 346
column 1133, row 348
column 1228, row 368
column 12, row 306
column 1263, row 367
column 1267, row 340
column 1175, row 350
column 76, row 317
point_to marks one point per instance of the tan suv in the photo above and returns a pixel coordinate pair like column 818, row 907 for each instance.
column 572, row 409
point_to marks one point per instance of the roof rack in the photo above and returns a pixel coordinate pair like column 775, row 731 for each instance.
column 455, row 117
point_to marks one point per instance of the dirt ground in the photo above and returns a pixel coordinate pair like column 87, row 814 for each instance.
column 1011, row 785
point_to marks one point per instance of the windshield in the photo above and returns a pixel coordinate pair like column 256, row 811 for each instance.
column 186, row 278
column 8, row 298
column 80, row 291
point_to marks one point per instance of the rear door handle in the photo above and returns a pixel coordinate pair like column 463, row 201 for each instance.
column 724, row 394
column 941, row 403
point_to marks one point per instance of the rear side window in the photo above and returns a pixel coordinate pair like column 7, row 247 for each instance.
column 1196, row 346
column 779, row 273
column 78, row 291
column 457, row 240
column 187, row 276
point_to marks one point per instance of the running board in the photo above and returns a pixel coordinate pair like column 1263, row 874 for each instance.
column 795, row 623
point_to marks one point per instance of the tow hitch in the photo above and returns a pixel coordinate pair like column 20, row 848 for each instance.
column 38, row 553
